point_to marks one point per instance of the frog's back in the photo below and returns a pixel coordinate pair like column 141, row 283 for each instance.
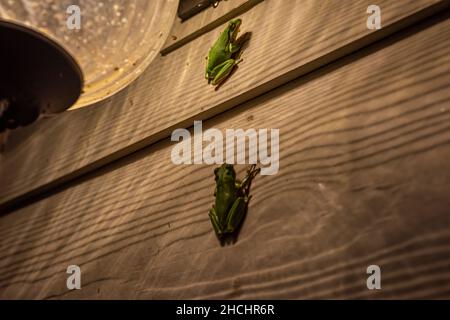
column 218, row 54
column 225, row 198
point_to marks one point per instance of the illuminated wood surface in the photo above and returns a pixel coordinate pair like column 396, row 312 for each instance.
column 364, row 179
column 289, row 39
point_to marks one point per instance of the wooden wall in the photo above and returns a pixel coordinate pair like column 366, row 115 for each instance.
column 364, row 166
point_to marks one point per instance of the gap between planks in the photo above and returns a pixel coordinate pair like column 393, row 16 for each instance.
column 184, row 32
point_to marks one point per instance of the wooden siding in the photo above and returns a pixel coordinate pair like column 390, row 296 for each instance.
column 295, row 38
column 364, row 179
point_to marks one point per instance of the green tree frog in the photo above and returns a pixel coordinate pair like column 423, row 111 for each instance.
column 232, row 197
column 220, row 59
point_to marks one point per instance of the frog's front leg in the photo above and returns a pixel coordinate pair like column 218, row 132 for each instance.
column 234, row 47
column 220, row 72
column 236, row 213
column 244, row 186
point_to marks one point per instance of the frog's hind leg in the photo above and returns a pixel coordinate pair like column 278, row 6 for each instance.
column 237, row 213
column 222, row 71
column 215, row 222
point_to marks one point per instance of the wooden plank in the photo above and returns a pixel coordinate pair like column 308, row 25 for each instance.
column 173, row 92
column 184, row 32
column 364, row 179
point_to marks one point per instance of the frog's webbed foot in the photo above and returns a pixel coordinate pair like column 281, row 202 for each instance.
column 252, row 169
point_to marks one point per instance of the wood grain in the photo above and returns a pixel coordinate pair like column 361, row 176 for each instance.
column 296, row 38
column 364, row 179
column 184, row 32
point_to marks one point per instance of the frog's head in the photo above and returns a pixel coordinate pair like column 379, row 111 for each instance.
column 225, row 172
column 233, row 27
